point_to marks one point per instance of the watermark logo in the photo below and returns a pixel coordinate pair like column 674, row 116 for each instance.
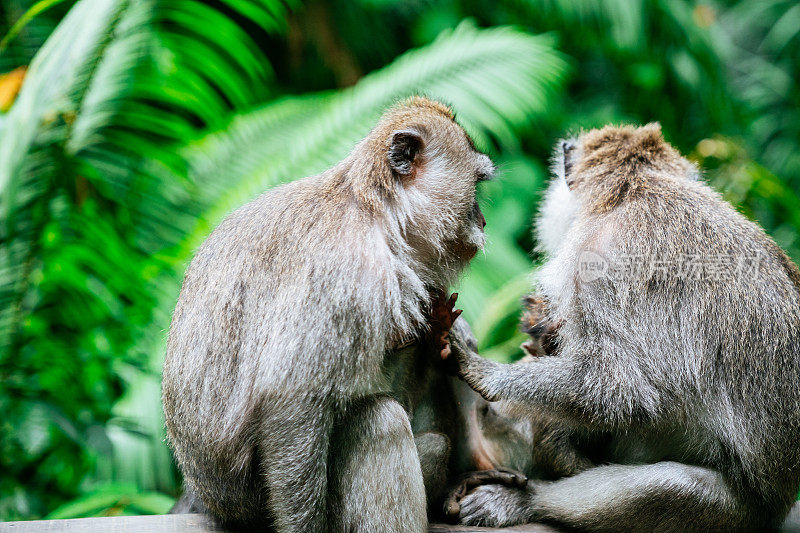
column 593, row 266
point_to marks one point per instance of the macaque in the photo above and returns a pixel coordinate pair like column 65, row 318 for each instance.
column 295, row 324
column 676, row 364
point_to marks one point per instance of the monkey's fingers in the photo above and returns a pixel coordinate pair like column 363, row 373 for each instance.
column 452, row 508
column 444, row 313
column 444, row 343
column 452, row 312
column 516, row 478
column 451, row 302
column 450, row 364
column 531, row 348
column 500, row 475
column 441, row 311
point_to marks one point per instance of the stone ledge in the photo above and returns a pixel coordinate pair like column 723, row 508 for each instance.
column 200, row 524
column 191, row 522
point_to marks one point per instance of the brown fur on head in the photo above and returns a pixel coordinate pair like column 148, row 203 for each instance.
column 417, row 171
column 607, row 165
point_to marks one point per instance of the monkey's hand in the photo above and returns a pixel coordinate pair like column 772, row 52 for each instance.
column 536, row 322
column 443, row 316
column 461, row 499
column 475, row 370
column 459, row 358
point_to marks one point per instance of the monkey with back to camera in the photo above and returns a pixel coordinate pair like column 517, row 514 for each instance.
column 676, row 360
column 282, row 353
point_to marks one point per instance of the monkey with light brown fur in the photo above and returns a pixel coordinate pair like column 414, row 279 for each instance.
column 280, row 384
column 677, row 352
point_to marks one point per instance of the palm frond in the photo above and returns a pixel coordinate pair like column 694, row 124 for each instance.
column 56, row 81
column 498, row 80
column 621, row 20
column 25, row 25
column 47, row 105
column 91, row 194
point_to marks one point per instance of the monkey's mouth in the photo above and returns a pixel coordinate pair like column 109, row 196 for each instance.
column 477, row 214
column 472, row 237
column 475, row 237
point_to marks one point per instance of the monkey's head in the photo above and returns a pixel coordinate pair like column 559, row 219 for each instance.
column 503, row 437
column 423, row 180
column 600, row 169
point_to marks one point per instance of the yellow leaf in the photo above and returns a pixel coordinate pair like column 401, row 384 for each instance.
column 10, row 83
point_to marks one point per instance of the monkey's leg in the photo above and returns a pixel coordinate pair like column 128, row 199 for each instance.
column 433, row 450
column 293, row 455
column 664, row 496
column 376, row 478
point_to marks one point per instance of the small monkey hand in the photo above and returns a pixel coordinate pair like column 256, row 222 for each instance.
column 443, row 316
column 459, row 358
column 536, row 322
column 496, row 506
column 502, row 477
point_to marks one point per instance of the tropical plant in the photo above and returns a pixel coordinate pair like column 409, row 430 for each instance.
column 141, row 123
column 90, row 198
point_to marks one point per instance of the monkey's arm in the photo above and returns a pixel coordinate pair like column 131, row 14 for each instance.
column 593, row 389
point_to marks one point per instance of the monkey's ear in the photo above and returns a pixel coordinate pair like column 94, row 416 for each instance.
column 406, row 144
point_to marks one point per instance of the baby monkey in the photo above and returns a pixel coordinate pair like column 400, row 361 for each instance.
column 284, row 391
column 676, row 357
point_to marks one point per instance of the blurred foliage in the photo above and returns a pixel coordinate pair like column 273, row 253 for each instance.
column 129, row 128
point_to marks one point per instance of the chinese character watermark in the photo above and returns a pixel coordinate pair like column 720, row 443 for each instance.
column 593, row 266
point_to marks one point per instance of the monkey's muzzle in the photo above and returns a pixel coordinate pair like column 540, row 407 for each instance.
column 478, row 215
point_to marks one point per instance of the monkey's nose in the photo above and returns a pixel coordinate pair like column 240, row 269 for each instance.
column 479, row 215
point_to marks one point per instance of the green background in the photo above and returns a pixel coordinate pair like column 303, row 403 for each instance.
column 140, row 123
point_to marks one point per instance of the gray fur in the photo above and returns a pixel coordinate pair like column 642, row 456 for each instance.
column 280, row 403
column 687, row 388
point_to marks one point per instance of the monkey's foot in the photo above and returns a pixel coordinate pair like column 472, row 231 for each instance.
column 499, row 476
column 496, row 506
column 443, row 316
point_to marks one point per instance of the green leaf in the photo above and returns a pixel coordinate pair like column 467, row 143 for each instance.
column 498, row 80
column 92, row 196
column 114, row 499
column 55, row 82
column 29, row 15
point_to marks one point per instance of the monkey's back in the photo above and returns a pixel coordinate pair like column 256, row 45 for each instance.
column 718, row 315
column 288, row 262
